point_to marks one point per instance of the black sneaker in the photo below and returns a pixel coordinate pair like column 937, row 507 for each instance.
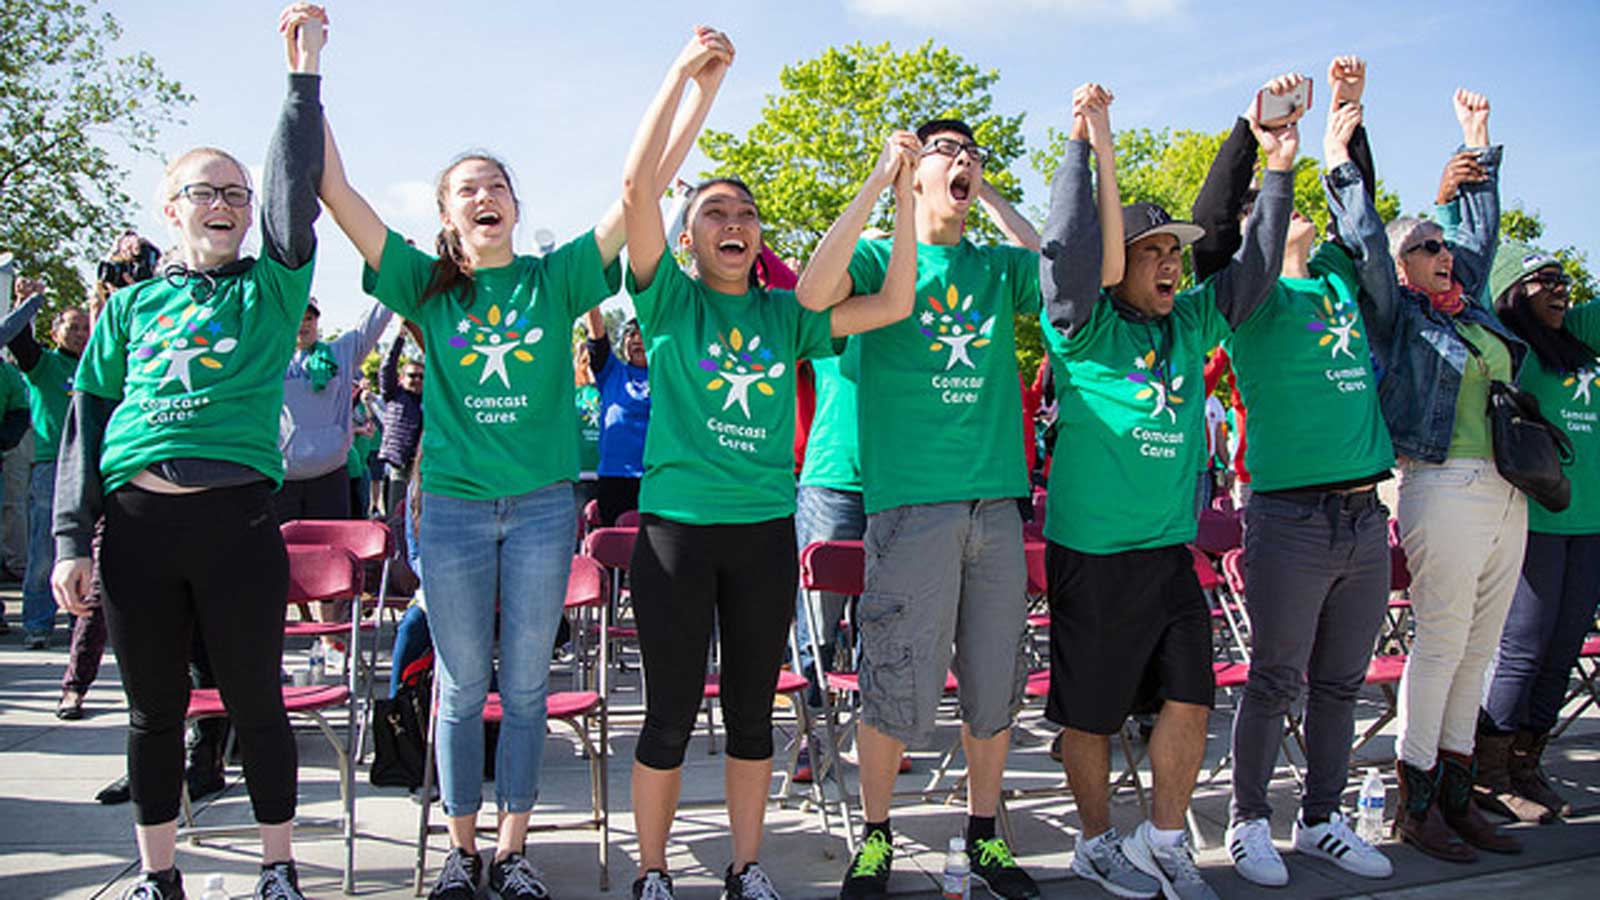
column 750, row 884
column 279, row 881
column 995, row 868
column 461, row 878
column 114, row 793
column 868, row 875
column 653, row 885
column 149, row 887
column 514, row 878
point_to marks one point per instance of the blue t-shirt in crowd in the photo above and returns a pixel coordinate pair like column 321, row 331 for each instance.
column 624, row 417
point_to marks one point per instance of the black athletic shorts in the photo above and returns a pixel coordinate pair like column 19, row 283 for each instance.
column 1128, row 631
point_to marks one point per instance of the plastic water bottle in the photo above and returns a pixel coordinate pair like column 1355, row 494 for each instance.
column 214, row 889
column 957, row 871
column 1369, row 824
column 315, row 666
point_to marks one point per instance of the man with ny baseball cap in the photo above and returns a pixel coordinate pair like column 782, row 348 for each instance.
column 1129, row 627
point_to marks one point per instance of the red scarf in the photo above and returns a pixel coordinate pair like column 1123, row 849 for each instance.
column 1449, row 301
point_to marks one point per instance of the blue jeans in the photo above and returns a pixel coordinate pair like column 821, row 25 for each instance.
column 1550, row 614
column 518, row 549
column 823, row 514
column 38, row 604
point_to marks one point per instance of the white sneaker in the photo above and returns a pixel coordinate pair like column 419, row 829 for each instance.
column 1254, row 857
column 1172, row 866
column 1335, row 842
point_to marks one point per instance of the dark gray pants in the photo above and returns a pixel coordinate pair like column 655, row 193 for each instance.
column 1316, row 576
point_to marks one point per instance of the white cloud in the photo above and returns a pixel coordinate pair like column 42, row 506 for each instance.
column 1011, row 13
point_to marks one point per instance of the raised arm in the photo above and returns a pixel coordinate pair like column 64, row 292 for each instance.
column 610, row 233
column 641, row 180
column 295, row 155
column 1221, row 201
column 367, row 332
column 897, row 296
column 1249, row 276
column 826, row 281
column 1073, row 248
column 1479, row 232
column 16, row 329
column 389, row 371
column 599, row 341
column 1360, row 230
column 1014, row 225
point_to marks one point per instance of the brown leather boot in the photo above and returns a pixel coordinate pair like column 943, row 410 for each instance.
column 1492, row 788
column 1464, row 818
column 1419, row 822
column 1527, row 774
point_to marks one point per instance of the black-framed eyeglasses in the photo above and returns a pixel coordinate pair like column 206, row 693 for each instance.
column 201, row 194
column 1431, row 246
column 952, row 148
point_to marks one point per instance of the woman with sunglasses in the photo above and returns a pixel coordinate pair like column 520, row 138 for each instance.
column 172, row 433
column 1554, row 607
column 1462, row 525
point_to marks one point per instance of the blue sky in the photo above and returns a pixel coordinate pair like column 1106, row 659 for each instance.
column 557, row 88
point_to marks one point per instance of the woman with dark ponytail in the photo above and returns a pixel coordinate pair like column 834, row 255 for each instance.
column 1555, row 603
column 498, row 464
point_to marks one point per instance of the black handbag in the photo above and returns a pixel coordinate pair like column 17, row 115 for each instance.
column 1529, row 450
column 399, row 733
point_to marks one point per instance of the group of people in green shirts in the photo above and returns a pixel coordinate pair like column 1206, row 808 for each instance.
column 170, row 436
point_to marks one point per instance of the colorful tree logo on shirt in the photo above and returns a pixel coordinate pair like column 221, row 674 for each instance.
column 1580, row 381
column 737, row 364
column 1338, row 321
column 955, row 326
column 589, row 408
column 193, row 337
column 491, row 339
column 1165, row 394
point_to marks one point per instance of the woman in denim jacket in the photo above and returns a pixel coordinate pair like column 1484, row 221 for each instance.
column 1462, row 525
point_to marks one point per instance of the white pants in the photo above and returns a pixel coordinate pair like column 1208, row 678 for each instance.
column 1464, row 529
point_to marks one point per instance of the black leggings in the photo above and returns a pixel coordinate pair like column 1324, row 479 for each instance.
column 213, row 561
column 684, row 575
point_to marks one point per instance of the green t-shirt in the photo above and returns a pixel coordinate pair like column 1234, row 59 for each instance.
column 720, row 449
column 1305, row 374
column 13, row 393
column 498, row 399
column 1469, row 436
column 939, row 403
column 1568, row 400
column 833, row 455
column 587, row 401
column 49, row 393
column 1131, row 418
column 199, row 378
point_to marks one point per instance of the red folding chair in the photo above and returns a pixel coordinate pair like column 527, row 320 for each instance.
column 316, row 574
column 369, row 541
column 613, row 549
column 583, row 710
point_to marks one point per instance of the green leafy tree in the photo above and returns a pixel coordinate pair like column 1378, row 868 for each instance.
column 818, row 137
column 1517, row 224
column 65, row 102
